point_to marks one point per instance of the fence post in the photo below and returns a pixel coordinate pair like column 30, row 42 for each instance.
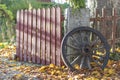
column 114, row 29
column 53, row 35
column 104, row 21
column 29, row 35
column 25, row 37
column 48, row 60
column 21, row 34
column 38, row 36
column 18, row 35
column 58, row 35
column 43, row 36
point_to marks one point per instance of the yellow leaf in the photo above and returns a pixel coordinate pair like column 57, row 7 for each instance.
column 117, row 49
column 52, row 66
column 17, row 76
column 96, row 73
column 110, row 62
column 78, row 77
column 64, row 73
column 63, row 67
column 106, row 70
column 52, row 72
column 111, row 71
column 12, row 65
column 58, row 72
column 42, row 69
column 91, row 78
column 70, row 78
column 76, row 66
column 93, row 64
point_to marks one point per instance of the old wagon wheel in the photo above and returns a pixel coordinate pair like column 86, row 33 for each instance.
column 85, row 47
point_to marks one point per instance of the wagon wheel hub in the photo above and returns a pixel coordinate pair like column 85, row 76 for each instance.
column 86, row 50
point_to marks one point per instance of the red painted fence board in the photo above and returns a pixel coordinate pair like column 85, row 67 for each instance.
column 38, row 35
column 47, row 19
column 18, row 34
column 58, row 35
column 21, row 34
column 43, row 36
column 29, row 35
column 25, row 41
column 34, row 42
column 53, row 34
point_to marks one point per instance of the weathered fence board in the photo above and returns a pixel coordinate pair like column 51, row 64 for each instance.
column 25, row 35
column 53, row 34
column 106, row 23
column 43, row 36
column 18, row 34
column 34, row 42
column 58, row 36
column 21, row 34
column 29, row 35
column 48, row 36
column 38, row 35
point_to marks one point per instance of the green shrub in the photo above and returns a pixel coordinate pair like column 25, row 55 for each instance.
column 8, row 10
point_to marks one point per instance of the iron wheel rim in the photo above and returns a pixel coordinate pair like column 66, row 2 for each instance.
column 86, row 48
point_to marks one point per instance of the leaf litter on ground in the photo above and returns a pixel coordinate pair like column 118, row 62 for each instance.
column 11, row 69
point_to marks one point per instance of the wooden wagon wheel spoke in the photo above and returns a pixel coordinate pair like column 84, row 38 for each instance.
column 88, row 63
column 73, row 54
column 82, row 61
column 75, row 60
column 85, row 44
column 96, row 62
column 94, row 42
column 72, row 46
column 79, row 35
column 83, row 37
column 75, row 40
column 88, row 36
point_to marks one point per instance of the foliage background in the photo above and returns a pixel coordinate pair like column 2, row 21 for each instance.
column 8, row 9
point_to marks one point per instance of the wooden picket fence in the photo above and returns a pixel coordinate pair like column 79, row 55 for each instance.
column 38, row 35
column 107, row 22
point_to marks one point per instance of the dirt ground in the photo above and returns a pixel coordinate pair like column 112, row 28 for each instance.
column 15, row 70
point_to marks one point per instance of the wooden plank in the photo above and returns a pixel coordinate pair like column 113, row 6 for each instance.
column 58, row 35
column 25, row 35
column 29, row 35
column 53, row 34
column 104, row 21
column 21, row 34
column 96, row 21
column 48, row 36
column 18, row 34
column 114, row 29
column 38, row 36
column 43, row 36
column 34, row 39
